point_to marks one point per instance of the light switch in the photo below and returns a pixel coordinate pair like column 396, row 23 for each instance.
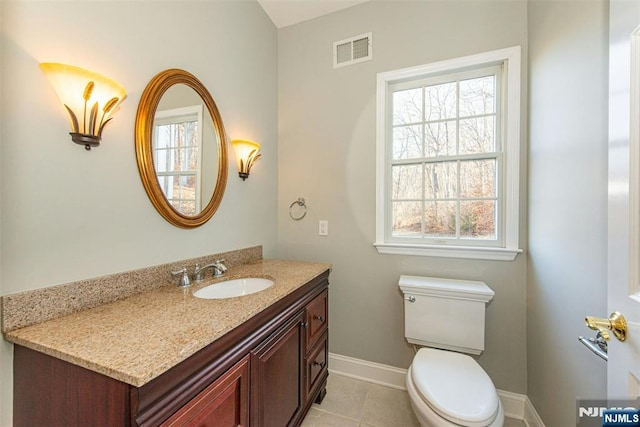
column 323, row 228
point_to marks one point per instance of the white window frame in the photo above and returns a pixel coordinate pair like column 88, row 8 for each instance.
column 509, row 60
column 178, row 115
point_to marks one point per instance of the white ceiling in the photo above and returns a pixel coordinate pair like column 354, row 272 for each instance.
column 289, row 12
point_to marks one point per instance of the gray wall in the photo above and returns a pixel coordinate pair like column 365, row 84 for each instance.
column 69, row 214
column 326, row 149
column 568, row 60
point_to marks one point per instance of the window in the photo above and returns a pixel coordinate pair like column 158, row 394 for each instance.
column 448, row 147
column 177, row 137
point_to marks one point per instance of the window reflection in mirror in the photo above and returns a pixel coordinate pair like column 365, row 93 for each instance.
column 184, row 150
column 177, row 140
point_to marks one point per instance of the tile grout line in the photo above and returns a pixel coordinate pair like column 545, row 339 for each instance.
column 318, row 408
column 364, row 403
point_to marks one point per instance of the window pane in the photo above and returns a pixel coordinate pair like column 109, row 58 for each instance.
column 188, row 207
column 407, row 219
column 177, row 188
column 407, row 182
column 407, row 142
column 407, row 106
column 192, row 158
column 440, row 102
column 477, row 96
column 478, row 178
column 478, row 219
column 440, row 139
column 168, row 186
column 168, row 135
column 477, row 135
column 440, row 219
column 188, row 184
column 160, row 160
column 440, row 180
column 165, row 161
column 190, row 137
column 186, row 160
column 161, row 137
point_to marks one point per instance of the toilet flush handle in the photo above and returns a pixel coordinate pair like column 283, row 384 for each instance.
column 410, row 298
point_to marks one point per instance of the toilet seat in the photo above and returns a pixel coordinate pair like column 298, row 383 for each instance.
column 455, row 387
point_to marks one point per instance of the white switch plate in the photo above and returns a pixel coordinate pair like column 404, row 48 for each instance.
column 323, row 228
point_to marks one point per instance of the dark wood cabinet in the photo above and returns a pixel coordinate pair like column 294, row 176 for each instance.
column 277, row 376
column 317, row 317
column 289, row 370
column 225, row 403
column 316, row 364
column 50, row 392
column 317, row 346
column 266, row 372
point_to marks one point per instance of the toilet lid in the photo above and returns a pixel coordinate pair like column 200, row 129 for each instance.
column 455, row 387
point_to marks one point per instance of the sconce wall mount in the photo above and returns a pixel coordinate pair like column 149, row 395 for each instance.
column 89, row 98
column 247, row 153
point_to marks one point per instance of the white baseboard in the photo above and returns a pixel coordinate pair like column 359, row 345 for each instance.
column 517, row 406
column 513, row 404
column 372, row 372
column 531, row 417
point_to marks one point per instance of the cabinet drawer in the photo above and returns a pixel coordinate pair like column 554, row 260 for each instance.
column 317, row 313
column 316, row 362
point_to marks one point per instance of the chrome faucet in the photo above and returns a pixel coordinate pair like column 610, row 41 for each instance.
column 218, row 270
column 183, row 277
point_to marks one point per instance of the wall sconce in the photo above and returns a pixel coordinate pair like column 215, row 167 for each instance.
column 247, row 153
column 90, row 99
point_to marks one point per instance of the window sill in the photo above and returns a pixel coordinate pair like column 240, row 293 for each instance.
column 464, row 252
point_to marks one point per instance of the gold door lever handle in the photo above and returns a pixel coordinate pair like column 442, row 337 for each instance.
column 615, row 323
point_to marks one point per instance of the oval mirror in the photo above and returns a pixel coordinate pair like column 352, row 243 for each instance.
column 181, row 148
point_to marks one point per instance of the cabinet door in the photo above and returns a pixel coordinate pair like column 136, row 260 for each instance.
column 277, row 376
column 225, row 403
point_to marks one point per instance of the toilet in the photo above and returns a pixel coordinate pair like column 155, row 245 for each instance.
column 446, row 386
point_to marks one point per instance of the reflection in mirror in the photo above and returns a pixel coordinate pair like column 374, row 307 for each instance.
column 177, row 140
column 184, row 150
column 181, row 148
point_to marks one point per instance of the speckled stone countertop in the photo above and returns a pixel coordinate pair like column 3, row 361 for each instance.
column 140, row 337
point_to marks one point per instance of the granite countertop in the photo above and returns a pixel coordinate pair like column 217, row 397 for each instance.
column 138, row 338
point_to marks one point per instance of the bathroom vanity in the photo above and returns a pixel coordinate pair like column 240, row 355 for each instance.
column 164, row 357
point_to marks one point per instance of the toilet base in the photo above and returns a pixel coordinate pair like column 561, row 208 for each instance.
column 428, row 418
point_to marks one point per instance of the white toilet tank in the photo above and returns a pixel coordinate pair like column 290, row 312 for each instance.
column 445, row 313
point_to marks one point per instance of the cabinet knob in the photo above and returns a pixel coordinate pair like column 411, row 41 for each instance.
column 321, row 364
column 320, row 318
column 305, row 324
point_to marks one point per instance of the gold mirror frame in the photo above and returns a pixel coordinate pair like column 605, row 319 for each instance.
column 144, row 147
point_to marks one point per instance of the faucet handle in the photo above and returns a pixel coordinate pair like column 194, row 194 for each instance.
column 183, row 280
column 220, row 267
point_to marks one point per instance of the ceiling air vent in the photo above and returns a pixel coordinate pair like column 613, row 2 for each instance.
column 352, row 50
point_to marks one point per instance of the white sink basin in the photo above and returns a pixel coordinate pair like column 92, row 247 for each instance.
column 233, row 288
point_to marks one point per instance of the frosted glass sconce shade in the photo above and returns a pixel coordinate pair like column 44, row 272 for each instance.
column 247, row 153
column 89, row 98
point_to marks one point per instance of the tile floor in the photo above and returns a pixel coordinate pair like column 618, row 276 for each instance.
column 355, row 403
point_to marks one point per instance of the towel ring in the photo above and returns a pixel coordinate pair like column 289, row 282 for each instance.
column 300, row 202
